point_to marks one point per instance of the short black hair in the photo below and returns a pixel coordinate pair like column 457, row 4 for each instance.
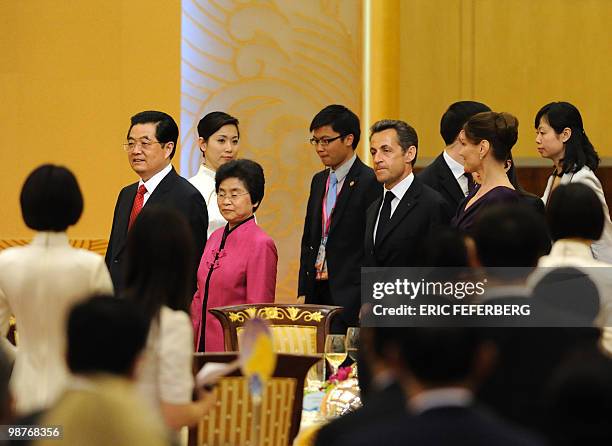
column 160, row 254
column 575, row 211
column 406, row 134
column 441, row 355
column 51, row 199
column 456, row 116
column 105, row 334
column 249, row 172
column 510, row 235
column 166, row 129
column 213, row 121
column 341, row 120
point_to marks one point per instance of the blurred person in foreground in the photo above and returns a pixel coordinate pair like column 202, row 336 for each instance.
column 40, row 282
column 101, row 406
column 509, row 240
column 380, row 390
column 441, row 368
column 159, row 258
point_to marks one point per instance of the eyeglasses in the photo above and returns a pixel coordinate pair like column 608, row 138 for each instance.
column 145, row 145
column 324, row 141
column 231, row 197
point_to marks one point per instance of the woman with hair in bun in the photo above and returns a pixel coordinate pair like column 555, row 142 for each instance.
column 486, row 141
column 218, row 140
column 561, row 138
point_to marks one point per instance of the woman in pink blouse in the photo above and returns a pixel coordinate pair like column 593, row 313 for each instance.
column 239, row 262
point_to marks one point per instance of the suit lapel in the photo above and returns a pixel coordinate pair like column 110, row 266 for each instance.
column 448, row 180
column 318, row 191
column 350, row 182
column 164, row 186
column 123, row 218
column 372, row 213
column 406, row 204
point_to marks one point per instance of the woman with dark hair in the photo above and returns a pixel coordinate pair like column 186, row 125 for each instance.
column 576, row 220
column 218, row 140
column 561, row 138
column 158, row 277
column 239, row 262
column 486, row 141
column 40, row 282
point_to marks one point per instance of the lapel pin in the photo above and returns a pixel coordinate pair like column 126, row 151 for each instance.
column 352, row 183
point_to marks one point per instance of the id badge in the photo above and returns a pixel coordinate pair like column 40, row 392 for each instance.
column 321, row 263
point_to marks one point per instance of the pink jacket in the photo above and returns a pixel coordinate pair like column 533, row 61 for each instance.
column 245, row 272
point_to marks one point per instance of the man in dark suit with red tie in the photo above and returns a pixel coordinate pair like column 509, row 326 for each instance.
column 400, row 220
column 332, row 242
column 151, row 143
column 445, row 174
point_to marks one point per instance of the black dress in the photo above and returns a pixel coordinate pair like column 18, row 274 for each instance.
column 465, row 218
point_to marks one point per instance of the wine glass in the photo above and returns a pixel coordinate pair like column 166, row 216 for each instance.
column 352, row 344
column 335, row 351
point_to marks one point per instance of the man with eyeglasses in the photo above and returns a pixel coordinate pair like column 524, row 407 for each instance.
column 332, row 242
column 151, row 144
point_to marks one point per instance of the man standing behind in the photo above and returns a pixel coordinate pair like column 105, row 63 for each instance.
column 151, row 143
column 445, row 174
column 332, row 242
column 398, row 222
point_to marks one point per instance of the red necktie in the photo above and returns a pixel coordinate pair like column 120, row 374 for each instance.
column 138, row 203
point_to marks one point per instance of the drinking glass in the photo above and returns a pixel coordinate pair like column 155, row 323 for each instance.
column 352, row 345
column 335, row 351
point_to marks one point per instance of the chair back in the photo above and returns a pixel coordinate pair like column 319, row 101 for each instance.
column 230, row 421
column 299, row 329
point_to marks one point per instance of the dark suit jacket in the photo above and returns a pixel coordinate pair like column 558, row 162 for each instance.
column 420, row 211
column 344, row 248
column 439, row 177
column 527, row 359
column 173, row 192
column 382, row 405
column 441, row 426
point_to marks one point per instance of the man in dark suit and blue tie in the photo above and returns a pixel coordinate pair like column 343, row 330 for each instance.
column 445, row 174
column 398, row 222
column 151, row 143
column 332, row 241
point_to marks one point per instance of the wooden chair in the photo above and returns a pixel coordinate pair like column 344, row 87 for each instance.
column 295, row 328
column 230, row 421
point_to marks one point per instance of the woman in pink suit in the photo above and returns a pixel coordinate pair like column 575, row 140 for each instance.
column 239, row 262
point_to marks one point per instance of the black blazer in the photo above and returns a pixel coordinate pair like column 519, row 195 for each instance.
column 420, row 211
column 441, row 426
column 382, row 405
column 344, row 248
column 439, row 177
column 173, row 192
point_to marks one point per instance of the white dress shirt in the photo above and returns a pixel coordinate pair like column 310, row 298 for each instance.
column 399, row 190
column 154, row 181
column 458, row 172
column 204, row 181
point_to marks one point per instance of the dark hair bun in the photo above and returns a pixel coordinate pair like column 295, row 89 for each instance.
column 506, row 128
